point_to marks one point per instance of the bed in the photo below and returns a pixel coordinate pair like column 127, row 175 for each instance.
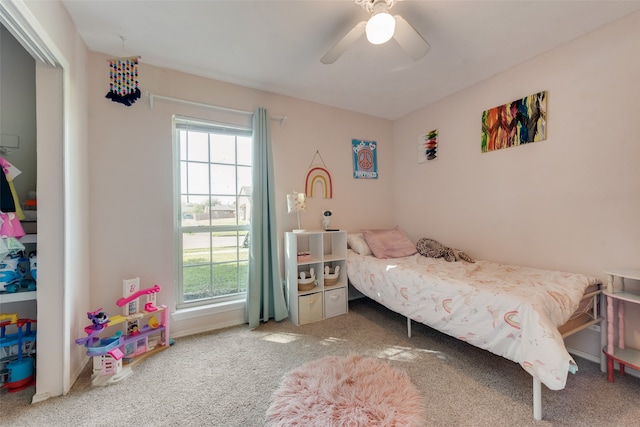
column 513, row 311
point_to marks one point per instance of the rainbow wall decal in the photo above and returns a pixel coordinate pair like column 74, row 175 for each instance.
column 319, row 174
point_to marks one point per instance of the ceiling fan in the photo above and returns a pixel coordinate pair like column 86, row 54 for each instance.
column 380, row 27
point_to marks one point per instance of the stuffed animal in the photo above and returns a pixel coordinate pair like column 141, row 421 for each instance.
column 434, row 249
column 462, row 256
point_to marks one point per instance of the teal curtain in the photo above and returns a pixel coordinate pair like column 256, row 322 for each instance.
column 265, row 294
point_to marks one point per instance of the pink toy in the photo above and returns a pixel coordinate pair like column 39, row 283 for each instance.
column 152, row 290
column 115, row 355
column 150, row 307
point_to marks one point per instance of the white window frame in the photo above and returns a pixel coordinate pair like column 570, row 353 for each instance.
column 182, row 123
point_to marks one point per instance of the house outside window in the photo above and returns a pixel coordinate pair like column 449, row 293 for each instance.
column 212, row 198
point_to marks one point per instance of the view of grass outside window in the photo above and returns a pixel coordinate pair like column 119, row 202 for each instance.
column 214, row 208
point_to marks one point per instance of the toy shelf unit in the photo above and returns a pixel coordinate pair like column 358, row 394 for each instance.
column 620, row 353
column 143, row 331
column 17, row 352
column 316, row 276
column 18, row 273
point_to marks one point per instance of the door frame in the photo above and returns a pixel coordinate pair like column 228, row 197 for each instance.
column 52, row 112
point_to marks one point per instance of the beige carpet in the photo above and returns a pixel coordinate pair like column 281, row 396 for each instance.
column 226, row 378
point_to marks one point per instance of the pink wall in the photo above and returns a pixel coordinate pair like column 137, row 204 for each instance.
column 568, row 203
column 131, row 182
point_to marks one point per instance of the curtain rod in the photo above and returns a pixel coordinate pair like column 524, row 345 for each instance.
column 153, row 96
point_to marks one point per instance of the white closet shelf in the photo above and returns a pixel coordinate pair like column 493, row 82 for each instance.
column 7, row 297
column 29, row 238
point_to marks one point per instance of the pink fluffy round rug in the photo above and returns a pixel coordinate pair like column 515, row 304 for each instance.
column 348, row 392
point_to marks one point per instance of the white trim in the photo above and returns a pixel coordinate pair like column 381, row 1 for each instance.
column 40, row 397
column 584, row 355
column 208, row 328
column 180, row 122
column 207, row 310
column 188, row 123
column 21, row 23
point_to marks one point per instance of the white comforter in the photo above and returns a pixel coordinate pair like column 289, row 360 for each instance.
column 510, row 310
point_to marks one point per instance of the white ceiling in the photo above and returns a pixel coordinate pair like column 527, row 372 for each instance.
column 276, row 46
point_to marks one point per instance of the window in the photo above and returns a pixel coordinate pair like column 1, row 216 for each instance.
column 212, row 199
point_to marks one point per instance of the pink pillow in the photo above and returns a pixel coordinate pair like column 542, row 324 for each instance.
column 391, row 243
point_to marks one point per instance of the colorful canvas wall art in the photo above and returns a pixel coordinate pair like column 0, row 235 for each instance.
column 365, row 159
column 428, row 146
column 519, row 122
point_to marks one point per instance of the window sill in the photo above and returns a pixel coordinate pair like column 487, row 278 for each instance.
column 206, row 310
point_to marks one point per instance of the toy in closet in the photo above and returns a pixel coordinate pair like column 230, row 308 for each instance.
column 14, row 265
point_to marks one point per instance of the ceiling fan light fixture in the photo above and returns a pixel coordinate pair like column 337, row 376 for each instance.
column 380, row 28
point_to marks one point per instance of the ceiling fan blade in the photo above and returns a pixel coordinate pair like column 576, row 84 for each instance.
column 409, row 39
column 339, row 48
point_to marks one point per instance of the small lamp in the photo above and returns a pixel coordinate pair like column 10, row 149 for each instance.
column 295, row 203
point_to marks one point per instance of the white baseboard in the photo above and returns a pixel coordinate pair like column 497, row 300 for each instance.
column 207, row 328
column 78, row 371
column 584, row 355
column 208, row 310
column 40, row 397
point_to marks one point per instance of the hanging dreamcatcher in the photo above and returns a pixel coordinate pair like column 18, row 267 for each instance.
column 123, row 80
